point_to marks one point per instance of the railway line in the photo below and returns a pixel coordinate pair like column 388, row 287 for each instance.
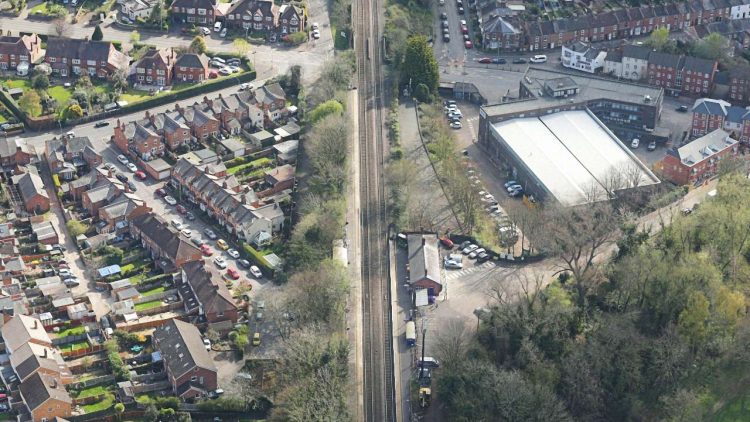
column 379, row 391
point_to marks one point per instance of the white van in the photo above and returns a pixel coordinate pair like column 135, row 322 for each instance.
column 217, row 27
column 428, row 362
column 539, row 58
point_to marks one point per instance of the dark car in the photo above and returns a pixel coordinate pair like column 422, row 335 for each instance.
column 463, row 245
column 482, row 257
column 244, row 263
column 132, row 186
column 190, row 216
column 181, row 209
column 682, row 109
column 161, row 192
column 499, row 60
column 444, row 16
column 121, row 177
column 446, row 37
column 460, row 10
column 519, row 60
column 101, row 124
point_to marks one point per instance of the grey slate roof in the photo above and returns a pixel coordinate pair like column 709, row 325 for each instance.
column 181, row 347
column 424, row 259
column 171, row 243
column 10, row 145
column 192, row 60
column 39, row 388
column 665, row 60
column 711, row 106
column 212, row 294
column 705, row 147
column 30, row 185
column 699, row 65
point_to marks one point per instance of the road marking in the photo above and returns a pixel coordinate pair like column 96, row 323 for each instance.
column 466, row 271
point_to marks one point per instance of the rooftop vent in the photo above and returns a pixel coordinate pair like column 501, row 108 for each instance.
column 646, row 98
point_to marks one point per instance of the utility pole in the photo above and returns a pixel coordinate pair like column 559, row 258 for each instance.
column 424, row 335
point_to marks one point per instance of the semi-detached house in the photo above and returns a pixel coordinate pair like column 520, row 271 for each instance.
column 75, row 57
column 17, row 50
column 201, row 12
column 155, row 67
column 253, row 15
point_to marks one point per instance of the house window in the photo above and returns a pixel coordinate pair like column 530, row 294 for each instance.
column 76, row 61
column 52, row 59
column 91, row 62
column 202, row 12
column 194, row 378
column 191, row 11
column 65, row 59
column 191, row 19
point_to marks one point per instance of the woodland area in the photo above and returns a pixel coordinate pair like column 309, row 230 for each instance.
column 653, row 329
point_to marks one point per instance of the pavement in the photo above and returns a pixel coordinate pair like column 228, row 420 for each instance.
column 277, row 56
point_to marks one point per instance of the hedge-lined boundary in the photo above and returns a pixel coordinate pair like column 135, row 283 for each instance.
column 257, row 259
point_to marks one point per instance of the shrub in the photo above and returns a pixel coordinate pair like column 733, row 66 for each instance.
column 296, row 38
column 256, row 258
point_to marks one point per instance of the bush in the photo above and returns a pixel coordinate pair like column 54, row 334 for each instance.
column 225, row 404
column 296, row 38
column 423, row 93
column 256, row 258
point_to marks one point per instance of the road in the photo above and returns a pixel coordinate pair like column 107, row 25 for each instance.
column 379, row 392
column 310, row 55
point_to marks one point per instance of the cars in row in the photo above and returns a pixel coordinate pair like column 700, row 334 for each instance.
column 474, row 251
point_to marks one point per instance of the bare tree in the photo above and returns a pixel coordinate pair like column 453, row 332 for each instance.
column 452, row 342
column 577, row 236
column 61, row 27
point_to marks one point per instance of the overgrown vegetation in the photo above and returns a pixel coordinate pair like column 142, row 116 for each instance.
column 656, row 331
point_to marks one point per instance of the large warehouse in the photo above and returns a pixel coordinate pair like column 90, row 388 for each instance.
column 569, row 155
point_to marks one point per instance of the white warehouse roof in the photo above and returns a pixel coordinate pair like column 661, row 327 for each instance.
column 573, row 155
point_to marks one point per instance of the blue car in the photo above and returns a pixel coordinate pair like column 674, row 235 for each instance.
column 499, row 60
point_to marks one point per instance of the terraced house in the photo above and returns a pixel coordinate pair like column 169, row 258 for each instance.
column 194, row 11
column 74, row 57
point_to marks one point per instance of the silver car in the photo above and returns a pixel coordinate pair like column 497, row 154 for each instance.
column 469, row 249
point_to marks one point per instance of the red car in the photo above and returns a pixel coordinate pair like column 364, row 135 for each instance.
column 213, row 75
column 181, row 209
column 446, row 242
column 469, row 45
column 464, row 29
column 485, row 60
column 233, row 274
column 140, row 175
column 161, row 192
column 206, row 250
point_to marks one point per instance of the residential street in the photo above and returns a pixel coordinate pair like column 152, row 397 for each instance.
column 277, row 57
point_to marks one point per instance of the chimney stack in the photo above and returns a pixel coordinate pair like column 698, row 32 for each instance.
column 423, row 241
column 34, row 326
column 45, row 353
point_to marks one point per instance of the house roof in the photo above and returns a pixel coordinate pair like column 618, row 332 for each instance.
column 424, row 259
column 253, row 7
column 637, row 52
column 39, row 388
column 705, row 147
column 122, row 207
column 162, row 57
column 9, row 146
column 665, row 60
column 22, row 329
column 711, row 106
column 106, row 191
column 71, row 48
column 287, row 11
column 614, row 56
column 192, row 60
column 212, row 293
column 171, row 243
column 31, row 185
column 181, row 347
column 19, row 45
column 281, row 173
column 202, row 4
column 698, row 65
column 38, row 351
column 267, row 94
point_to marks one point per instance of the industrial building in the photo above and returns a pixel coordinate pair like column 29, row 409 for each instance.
column 628, row 109
column 570, row 156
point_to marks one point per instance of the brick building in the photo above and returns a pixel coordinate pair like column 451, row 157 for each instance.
column 698, row 160
column 74, row 57
column 191, row 67
column 155, row 67
column 16, row 50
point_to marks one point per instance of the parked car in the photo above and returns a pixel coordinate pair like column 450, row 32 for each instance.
column 217, row 27
column 246, row 86
column 205, row 31
column 233, row 253
column 316, row 34
column 652, row 145
column 187, row 232
column 682, row 109
column 461, row 10
column 123, row 160
column 210, row 234
column 225, row 71
column 197, row 241
column 220, row 262
column 428, row 362
column 455, row 125
column 256, row 339
column 181, row 209
column 121, row 177
column 469, row 249
column 233, row 274
column 539, row 58
column 169, row 200
column 444, row 16
column 207, row 343
column 255, row 271
column 452, row 265
column 511, row 188
column 447, row 242
column 206, row 250
column 101, row 123
column 177, row 223
column 234, row 69
column 473, row 254
column 244, row 263
column 222, row 244
column 446, row 37
column 190, row 216
column 64, row 272
column 464, row 29
column 519, row 60
column 510, row 183
column 499, row 60
column 110, row 166
column 132, row 185
column 635, row 143
column 485, row 60
column 223, row 33
column 482, row 257
column 468, row 44
column 140, row 175
column 161, row 192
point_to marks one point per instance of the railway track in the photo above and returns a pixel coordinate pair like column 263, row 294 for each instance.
column 379, row 391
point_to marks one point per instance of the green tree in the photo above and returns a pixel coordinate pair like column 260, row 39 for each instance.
column 76, row 228
column 296, row 38
column 30, row 103
column 241, row 46
column 119, row 410
column 419, row 65
column 422, row 93
column 151, row 414
column 156, row 15
column 328, row 108
column 198, row 45
column 98, row 35
column 713, row 47
column 119, row 80
column 694, row 318
column 135, row 37
column 40, row 82
column 74, row 111
column 659, row 40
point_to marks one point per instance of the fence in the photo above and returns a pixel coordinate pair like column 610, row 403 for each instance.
column 156, row 296
column 83, row 352
column 145, row 388
column 92, row 382
column 88, row 400
column 148, row 378
column 163, row 308
column 70, row 339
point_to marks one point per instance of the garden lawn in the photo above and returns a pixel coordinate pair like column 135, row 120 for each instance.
column 147, row 305
column 40, row 8
column 92, row 391
column 60, row 93
column 134, row 96
column 106, row 403
column 154, row 291
column 2, row 119
column 72, row 331
column 74, row 346
column 17, row 83
column 257, row 163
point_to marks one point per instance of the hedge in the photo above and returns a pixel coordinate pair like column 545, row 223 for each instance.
column 256, row 258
